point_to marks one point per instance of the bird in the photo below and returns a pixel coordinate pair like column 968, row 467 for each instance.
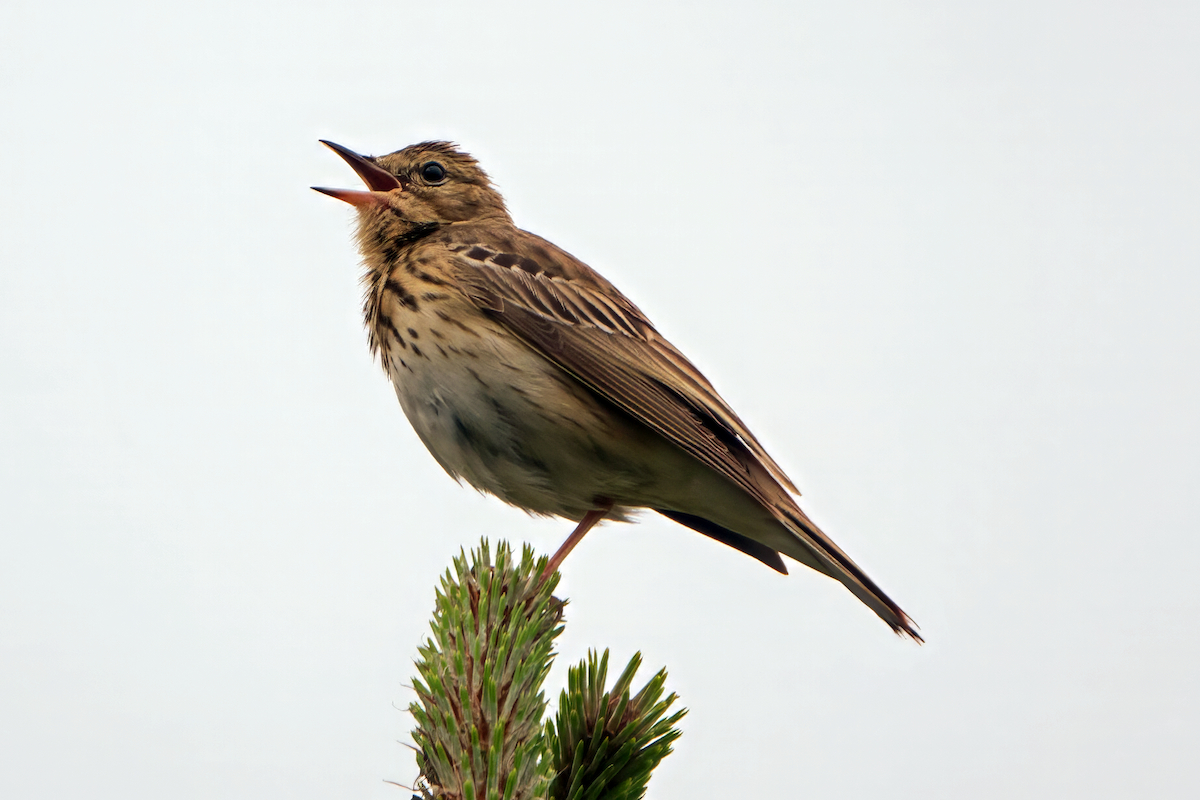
column 533, row 378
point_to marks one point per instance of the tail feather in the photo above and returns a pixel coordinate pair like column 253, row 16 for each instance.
column 836, row 564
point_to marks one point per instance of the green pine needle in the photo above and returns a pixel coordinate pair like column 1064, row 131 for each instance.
column 480, row 704
column 604, row 745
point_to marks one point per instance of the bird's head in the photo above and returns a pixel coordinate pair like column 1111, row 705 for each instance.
column 431, row 183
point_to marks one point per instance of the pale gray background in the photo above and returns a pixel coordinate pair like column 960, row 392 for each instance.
column 941, row 256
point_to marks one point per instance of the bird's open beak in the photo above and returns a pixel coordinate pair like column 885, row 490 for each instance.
column 374, row 176
column 353, row 197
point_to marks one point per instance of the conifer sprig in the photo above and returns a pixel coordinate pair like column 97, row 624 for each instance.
column 480, row 703
column 605, row 744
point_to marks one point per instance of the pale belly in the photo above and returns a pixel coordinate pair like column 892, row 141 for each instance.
column 495, row 413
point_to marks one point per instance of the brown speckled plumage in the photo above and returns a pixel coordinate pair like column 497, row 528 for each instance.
column 532, row 377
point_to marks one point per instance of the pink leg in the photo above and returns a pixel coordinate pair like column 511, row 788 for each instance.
column 586, row 524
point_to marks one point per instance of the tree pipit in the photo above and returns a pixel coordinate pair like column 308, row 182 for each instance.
column 531, row 377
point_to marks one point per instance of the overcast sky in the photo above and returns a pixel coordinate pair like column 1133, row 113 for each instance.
column 942, row 257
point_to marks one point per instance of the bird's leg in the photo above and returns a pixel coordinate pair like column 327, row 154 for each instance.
column 588, row 522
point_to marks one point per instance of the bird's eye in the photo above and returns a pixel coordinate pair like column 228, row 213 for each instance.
column 433, row 172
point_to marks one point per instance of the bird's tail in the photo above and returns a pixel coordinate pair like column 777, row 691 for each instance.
column 818, row 551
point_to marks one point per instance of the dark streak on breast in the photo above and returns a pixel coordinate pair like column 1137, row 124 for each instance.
column 475, row 375
column 396, row 289
column 391, row 328
column 392, row 247
column 525, row 396
column 427, row 277
column 465, row 434
column 462, row 327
